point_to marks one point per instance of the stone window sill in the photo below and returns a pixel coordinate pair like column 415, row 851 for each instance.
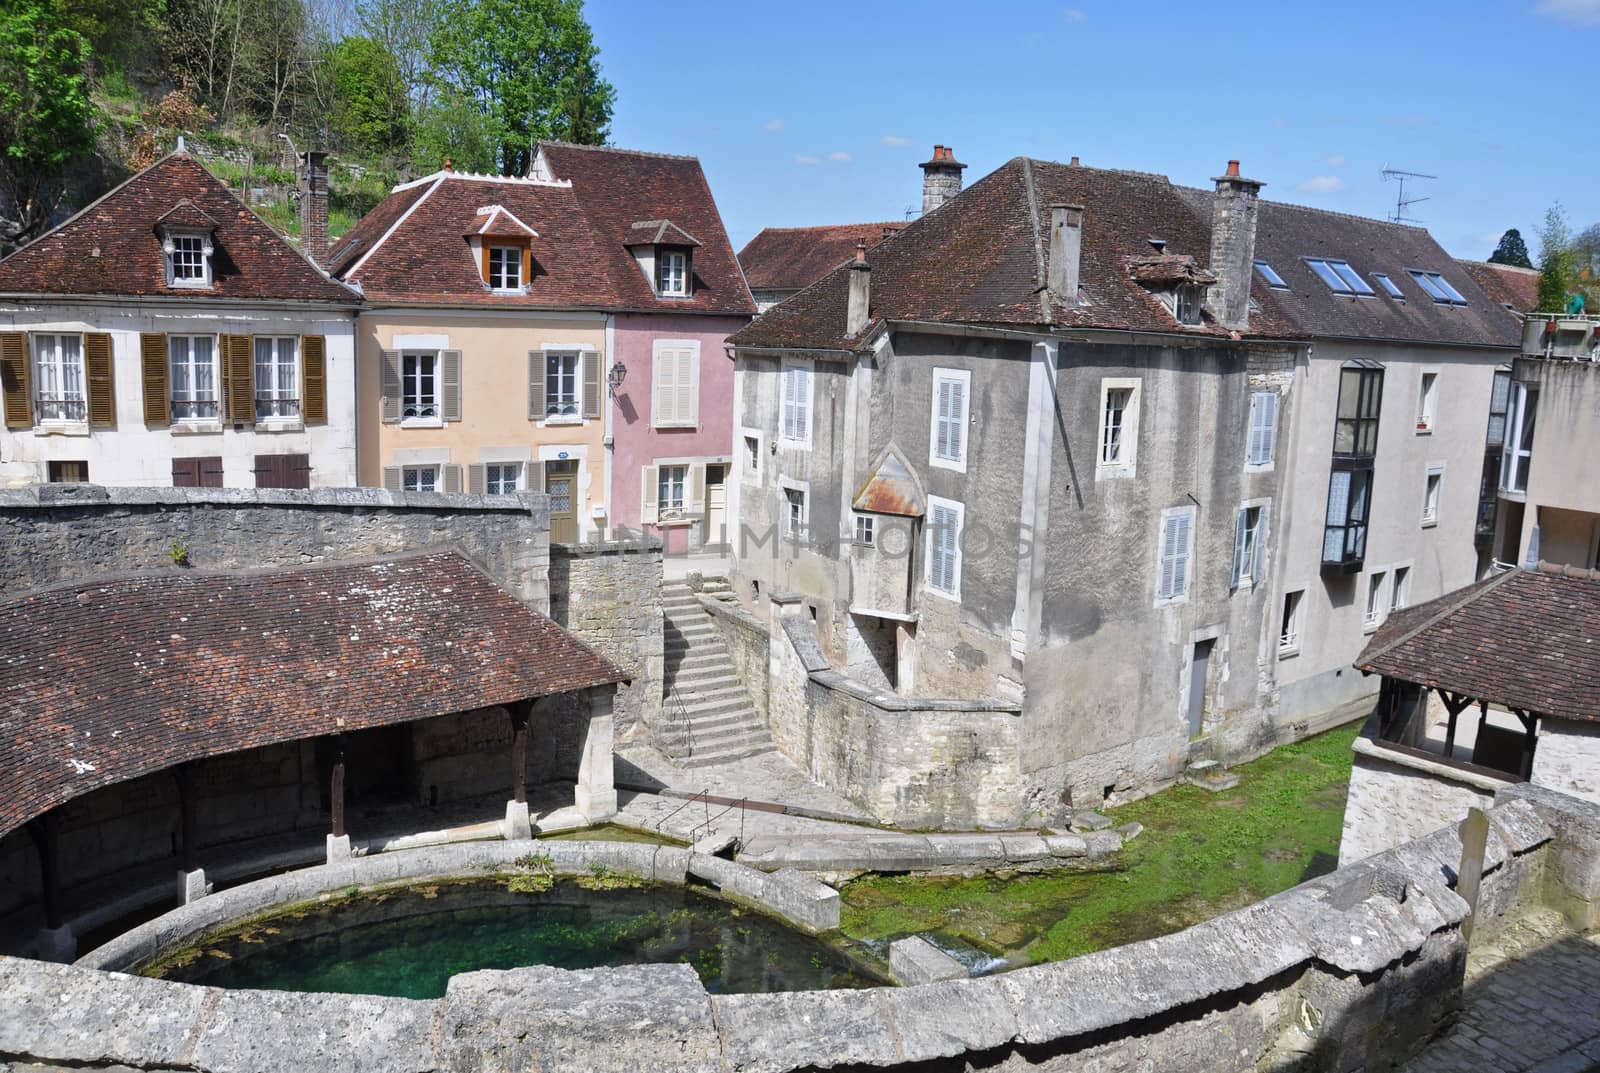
column 561, row 419
column 61, row 428
column 422, row 422
column 295, row 425
column 196, row 428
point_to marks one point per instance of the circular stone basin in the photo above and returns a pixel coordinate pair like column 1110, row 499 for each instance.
column 407, row 941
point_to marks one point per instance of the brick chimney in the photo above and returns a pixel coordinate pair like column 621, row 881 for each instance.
column 941, row 178
column 314, row 207
column 1233, row 247
column 858, row 309
column 1066, row 253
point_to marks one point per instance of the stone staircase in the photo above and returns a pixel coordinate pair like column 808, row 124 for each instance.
column 708, row 717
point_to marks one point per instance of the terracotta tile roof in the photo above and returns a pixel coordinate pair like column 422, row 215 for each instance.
column 792, row 258
column 102, row 681
column 113, row 247
column 1526, row 639
column 1509, row 285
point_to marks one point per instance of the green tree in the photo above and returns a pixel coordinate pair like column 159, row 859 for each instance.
column 529, row 65
column 47, row 119
column 1557, row 263
column 1511, row 251
column 453, row 128
column 371, row 111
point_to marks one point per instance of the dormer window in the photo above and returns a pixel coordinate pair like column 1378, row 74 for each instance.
column 1187, row 301
column 188, row 259
column 505, row 268
column 672, row 273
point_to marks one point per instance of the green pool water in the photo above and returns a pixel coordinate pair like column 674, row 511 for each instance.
column 409, row 941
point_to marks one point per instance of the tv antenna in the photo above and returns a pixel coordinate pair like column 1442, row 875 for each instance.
column 1402, row 203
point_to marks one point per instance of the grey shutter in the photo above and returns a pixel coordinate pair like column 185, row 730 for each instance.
column 1241, row 523
column 393, row 480
column 477, row 478
column 591, row 382
column 1263, row 521
column 1180, row 557
column 452, row 479
column 389, row 374
column 533, row 477
column 536, row 404
column 649, row 508
column 1167, row 585
column 450, row 385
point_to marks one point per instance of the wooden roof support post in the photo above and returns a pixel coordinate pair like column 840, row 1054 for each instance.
column 519, row 750
column 43, row 831
column 336, row 787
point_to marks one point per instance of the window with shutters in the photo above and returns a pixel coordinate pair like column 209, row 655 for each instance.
column 188, row 259
column 947, row 432
column 192, row 377
column 419, row 478
column 1249, row 546
column 277, row 376
column 60, row 386
column 505, row 268
column 283, row 471
column 796, row 416
column 502, row 478
column 672, row 273
column 1263, row 429
column 675, row 384
column 1355, row 443
column 419, row 386
column 670, row 484
column 945, row 518
column 1119, row 428
column 563, row 374
column 1174, row 555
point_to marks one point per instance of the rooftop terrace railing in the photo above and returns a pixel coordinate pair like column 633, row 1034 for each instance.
column 1561, row 336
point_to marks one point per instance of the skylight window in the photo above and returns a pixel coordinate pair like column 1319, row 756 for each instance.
column 1340, row 277
column 1270, row 274
column 1390, row 286
column 1438, row 287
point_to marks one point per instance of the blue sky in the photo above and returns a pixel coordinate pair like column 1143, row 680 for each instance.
column 819, row 112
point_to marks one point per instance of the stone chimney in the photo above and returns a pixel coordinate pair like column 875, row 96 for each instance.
column 941, row 178
column 314, row 207
column 858, row 311
column 1066, row 253
column 1233, row 247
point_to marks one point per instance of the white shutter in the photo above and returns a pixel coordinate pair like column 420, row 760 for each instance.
column 958, row 423
column 660, row 393
column 1263, row 523
column 649, row 509
column 790, row 406
column 685, row 407
column 1263, row 426
column 941, row 447
column 1180, row 558
column 1169, row 531
column 1241, row 523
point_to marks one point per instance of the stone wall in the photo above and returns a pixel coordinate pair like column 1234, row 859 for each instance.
column 1395, row 797
column 1567, row 757
column 610, row 595
column 749, row 649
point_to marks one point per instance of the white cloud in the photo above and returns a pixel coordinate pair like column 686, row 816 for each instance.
column 1073, row 14
column 806, row 160
column 773, row 124
column 1336, row 160
column 1583, row 12
column 1321, row 184
column 839, row 156
column 895, row 139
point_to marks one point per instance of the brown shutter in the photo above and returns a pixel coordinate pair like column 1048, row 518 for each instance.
column 314, row 379
column 450, row 385
column 239, row 379
column 153, row 373
column 389, row 386
column 591, row 383
column 266, row 471
column 185, row 473
column 536, row 407
column 100, row 371
column 296, row 471
column 210, row 474
column 14, row 380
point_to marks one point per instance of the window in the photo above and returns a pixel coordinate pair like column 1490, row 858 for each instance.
column 1172, row 558
column 1425, row 399
column 277, row 375
column 420, row 478
column 193, row 376
column 1400, row 595
column 1493, row 453
column 1355, row 441
column 864, row 530
column 187, row 262
column 752, row 453
column 1390, row 286
column 1374, row 613
column 1249, row 546
column 1499, row 407
column 1289, row 631
column 1355, row 431
column 1339, row 276
column 1186, row 304
column 419, row 390
column 1263, row 428
column 1518, row 457
column 58, row 360
column 1119, row 428
column 1430, row 496
column 947, row 433
column 502, row 478
column 794, row 514
column 675, row 384
column 1437, row 287
column 68, row 472
column 505, row 268
column 562, row 372
column 797, row 404
column 670, row 481
column 672, row 273
column 1344, row 535
column 1270, row 274
column 945, row 520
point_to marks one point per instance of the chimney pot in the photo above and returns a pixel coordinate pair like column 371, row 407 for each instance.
column 1075, row 162
column 449, row 165
column 1233, row 169
column 861, row 252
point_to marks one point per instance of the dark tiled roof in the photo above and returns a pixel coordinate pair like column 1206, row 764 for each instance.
column 113, row 247
column 658, row 233
column 616, row 188
column 1509, row 285
column 370, row 229
column 1526, row 639
column 790, row 258
column 103, row 681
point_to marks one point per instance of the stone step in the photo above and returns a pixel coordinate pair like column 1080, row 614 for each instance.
column 687, row 647
column 714, row 706
column 1209, row 775
column 703, row 680
column 744, row 718
column 721, row 756
column 726, row 736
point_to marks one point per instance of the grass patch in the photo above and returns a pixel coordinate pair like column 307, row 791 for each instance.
column 1200, row 854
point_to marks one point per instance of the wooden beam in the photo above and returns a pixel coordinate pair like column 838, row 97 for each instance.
column 44, row 839
column 186, row 836
column 519, row 750
column 336, row 787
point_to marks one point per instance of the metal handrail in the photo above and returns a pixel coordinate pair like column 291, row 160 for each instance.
column 678, row 718
column 694, row 833
column 691, row 799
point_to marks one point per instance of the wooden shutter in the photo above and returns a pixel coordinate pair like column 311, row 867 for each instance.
column 1240, row 525
column 649, row 510
column 14, row 380
column 239, row 378
column 1263, row 522
column 210, row 471
column 533, row 476
column 536, row 403
column 185, row 473
column 450, row 387
column 314, row 379
column 590, row 360
column 296, row 471
column 389, row 386
column 266, row 471
column 153, row 376
column 687, row 402
column 1180, row 554
column 697, row 488
column 393, row 479
column 452, row 479
column 100, row 372
column 661, row 395
column 477, row 478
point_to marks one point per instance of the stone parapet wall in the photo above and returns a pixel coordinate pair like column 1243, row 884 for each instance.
column 749, row 648
column 610, row 596
column 1356, row 969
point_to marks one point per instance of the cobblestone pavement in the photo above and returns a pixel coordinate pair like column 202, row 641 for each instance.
column 1532, row 1004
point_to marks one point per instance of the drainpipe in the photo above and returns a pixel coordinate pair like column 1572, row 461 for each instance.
column 610, row 443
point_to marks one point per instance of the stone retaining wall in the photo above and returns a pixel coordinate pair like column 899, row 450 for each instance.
column 749, row 648
column 1395, row 797
column 1356, row 969
column 610, row 595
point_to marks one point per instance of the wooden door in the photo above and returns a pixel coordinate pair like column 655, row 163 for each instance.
column 716, row 505
column 561, row 484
